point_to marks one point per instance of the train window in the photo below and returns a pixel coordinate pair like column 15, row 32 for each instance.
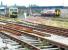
column 15, row 9
column 14, row 12
column 11, row 9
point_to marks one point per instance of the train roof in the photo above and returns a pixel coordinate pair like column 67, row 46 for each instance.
column 2, row 7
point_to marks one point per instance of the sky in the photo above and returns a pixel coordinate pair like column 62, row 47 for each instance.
column 36, row 2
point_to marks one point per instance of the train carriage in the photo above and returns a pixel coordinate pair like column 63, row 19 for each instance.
column 51, row 12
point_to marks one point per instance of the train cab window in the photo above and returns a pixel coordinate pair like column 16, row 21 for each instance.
column 11, row 9
column 14, row 12
column 15, row 9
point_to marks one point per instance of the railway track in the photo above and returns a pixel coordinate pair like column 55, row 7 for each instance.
column 48, row 29
column 7, row 43
column 33, row 43
column 45, row 28
column 51, row 42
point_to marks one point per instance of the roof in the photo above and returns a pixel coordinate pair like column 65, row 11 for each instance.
column 3, row 7
column 49, row 7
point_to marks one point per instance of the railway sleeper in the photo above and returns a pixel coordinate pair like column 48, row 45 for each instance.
column 37, row 43
column 10, row 44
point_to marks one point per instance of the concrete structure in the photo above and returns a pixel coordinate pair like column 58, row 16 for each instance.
column 3, row 9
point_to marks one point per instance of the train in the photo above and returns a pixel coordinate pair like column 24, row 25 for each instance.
column 13, row 12
column 51, row 12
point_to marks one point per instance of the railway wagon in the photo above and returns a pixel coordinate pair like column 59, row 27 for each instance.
column 13, row 12
column 51, row 12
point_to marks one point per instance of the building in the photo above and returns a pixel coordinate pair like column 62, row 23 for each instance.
column 3, row 9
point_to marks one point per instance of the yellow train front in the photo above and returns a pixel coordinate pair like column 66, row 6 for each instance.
column 13, row 12
column 57, row 12
column 51, row 12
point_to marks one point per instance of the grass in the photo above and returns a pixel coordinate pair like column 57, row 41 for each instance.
column 59, row 22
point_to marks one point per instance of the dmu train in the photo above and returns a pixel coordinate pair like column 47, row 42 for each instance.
column 51, row 12
column 13, row 12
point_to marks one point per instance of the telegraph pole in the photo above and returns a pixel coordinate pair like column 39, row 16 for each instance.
column 30, row 11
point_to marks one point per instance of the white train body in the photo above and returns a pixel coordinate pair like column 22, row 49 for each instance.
column 51, row 12
column 48, row 12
